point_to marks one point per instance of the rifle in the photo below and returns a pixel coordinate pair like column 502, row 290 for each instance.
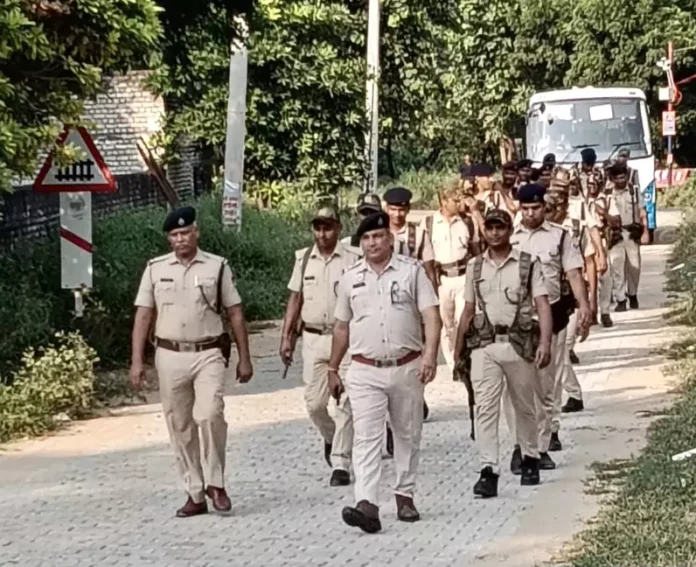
column 462, row 373
column 298, row 327
column 225, row 339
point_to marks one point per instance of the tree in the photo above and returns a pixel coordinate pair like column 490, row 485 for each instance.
column 53, row 55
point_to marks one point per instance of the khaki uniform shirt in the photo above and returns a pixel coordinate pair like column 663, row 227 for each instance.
column 384, row 310
column 579, row 211
column 450, row 238
column 494, row 200
column 320, row 283
column 500, row 286
column 185, row 296
column 421, row 241
column 622, row 204
column 544, row 243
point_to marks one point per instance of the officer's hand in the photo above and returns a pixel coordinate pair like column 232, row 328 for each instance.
column 286, row 352
column 584, row 323
column 645, row 238
column 137, row 376
column 543, row 356
column 428, row 370
column 335, row 385
column 602, row 264
column 244, row 371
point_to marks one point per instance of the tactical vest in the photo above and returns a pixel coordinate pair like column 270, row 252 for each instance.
column 524, row 333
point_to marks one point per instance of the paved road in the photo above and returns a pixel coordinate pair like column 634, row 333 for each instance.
column 104, row 491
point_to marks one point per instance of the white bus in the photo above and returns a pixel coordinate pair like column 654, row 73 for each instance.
column 565, row 122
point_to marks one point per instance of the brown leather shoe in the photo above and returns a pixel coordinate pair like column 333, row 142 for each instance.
column 364, row 516
column 406, row 509
column 192, row 508
column 221, row 502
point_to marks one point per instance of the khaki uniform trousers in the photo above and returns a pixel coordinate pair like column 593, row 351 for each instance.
column 495, row 368
column 605, row 290
column 316, row 351
column 624, row 259
column 451, row 294
column 548, row 388
column 191, row 386
column 376, row 393
column 570, row 379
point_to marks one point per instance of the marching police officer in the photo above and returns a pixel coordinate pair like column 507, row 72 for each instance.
column 312, row 299
column 562, row 264
column 382, row 302
column 502, row 286
column 368, row 204
column 185, row 292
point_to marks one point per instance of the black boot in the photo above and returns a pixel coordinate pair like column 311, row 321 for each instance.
column 633, row 301
column 328, row 447
column 516, row 461
column 555, row 444
column 426, row 410
column 607, row 323
column 573, row 357
column 621, row 307
column 546, row 462
column 487, row 485
column 573, row 405
column 530, row 471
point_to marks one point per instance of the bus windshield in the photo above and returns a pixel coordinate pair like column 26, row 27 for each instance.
column 565, row 128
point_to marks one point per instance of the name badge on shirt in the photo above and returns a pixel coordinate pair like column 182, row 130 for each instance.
column 359, row 284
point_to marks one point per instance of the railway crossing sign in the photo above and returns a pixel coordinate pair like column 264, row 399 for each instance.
column 88, row 174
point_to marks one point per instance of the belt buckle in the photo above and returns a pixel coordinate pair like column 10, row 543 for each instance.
column 187, row 347
column 388, row 363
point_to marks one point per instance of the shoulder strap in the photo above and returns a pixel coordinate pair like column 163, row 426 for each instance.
column 303, row 269
column 354, row 240
column 218, row 305
column 429, row 224
column 468, row 221
column 525, row 273
column 478, row 268
column 411, row 240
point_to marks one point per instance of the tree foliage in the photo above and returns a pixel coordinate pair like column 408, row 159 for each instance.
column 53, row 55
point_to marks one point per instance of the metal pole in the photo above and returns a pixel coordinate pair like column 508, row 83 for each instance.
column 670, row 108
column 236, row 128
column 372, row 98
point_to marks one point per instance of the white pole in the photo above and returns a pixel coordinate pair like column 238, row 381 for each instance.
column 372, row 98
column 236, row 129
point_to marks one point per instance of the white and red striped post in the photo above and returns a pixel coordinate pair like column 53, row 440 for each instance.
column 76, row 244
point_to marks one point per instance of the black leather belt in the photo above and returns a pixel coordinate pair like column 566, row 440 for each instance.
column 181, row 346
column 452, row 269
column 501, row 329
column 316, row 331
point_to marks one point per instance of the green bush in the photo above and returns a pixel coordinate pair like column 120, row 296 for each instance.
column 683, row 197
column 53, row 380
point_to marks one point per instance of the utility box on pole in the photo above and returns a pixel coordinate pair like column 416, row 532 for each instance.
column 232, row 193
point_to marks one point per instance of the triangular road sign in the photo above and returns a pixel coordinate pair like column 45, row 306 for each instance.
column 88, row 174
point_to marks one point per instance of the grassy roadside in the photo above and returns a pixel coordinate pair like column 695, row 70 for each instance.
column 649, row 514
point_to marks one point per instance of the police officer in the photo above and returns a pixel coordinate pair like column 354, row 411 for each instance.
column 452, row 246
column 622, row 157
column 562, row 265
column 597, row 204
column 588, row 166
column 409, row 239
column 382, row 302
column 524, row 172
column 628, row 207
column 502, row 286
column 312, row 298
column 368, row 204
column 179, row 292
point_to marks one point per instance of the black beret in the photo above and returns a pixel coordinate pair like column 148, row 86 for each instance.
column 618, row 169
column 498, row 215
column 398, row 196
column 481, row 170
column 624, row 152
column 510, row 166
column 179, row 218
column 549, row 158
column 531, row 193
column 524, row 163
column 375, row 221
column 588, row 155
column 369, row 202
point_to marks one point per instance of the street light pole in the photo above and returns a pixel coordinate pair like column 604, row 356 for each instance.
column 372, row 98
column 236, row 128
column 670, row 108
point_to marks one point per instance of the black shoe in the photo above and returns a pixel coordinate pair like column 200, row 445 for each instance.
column 364, row 516
column 328, row 447
column 516, row 461
column 633, row 301
column 607, row 323
column 573, row 405
column 573, row 357
column 530, row 471
column 426, row 410
column 621, row 307
column 390, row 442
column 546, row 462
column 339, row 478
column 555, row 444
column 487, row 485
